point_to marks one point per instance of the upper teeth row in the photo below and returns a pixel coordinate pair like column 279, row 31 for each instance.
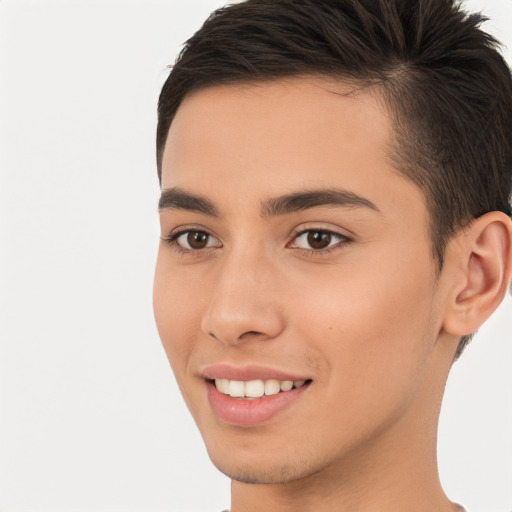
column 255, row 388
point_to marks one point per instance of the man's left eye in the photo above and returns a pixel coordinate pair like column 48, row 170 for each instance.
column 317, row 239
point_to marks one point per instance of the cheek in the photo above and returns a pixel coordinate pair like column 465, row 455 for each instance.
column 176, row 313
column 365, row 303
column 373, row 331
column 177, row 317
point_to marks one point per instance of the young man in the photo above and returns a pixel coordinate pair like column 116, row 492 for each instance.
column 335, row 213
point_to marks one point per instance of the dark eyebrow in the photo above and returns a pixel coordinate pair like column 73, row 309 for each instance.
column 300, row 201
column 177, row 199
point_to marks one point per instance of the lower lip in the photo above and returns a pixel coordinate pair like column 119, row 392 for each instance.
column 246, row 413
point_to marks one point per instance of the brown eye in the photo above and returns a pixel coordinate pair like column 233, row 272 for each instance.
column 319, row 239
column 195, row 240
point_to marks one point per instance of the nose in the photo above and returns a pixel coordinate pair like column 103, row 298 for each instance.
column 245, row 302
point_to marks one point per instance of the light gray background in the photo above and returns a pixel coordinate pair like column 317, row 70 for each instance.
column 90, row 416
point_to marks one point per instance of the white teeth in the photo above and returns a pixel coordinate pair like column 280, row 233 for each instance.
column 272, row 387
column 237, row 388
column 225, row 385
column 254, row 388
column 222, row 385
column 286, row 385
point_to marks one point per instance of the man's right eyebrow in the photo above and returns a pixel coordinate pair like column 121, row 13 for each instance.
column 177, row 199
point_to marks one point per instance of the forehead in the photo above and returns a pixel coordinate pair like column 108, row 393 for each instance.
column 265, row 139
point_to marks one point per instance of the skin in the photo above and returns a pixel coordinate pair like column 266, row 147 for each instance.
column 365, row 318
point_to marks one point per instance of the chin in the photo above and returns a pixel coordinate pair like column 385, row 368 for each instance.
column 262, row 470
column 274, row 475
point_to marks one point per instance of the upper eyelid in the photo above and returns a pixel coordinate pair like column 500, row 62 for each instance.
column 179, row 230
column 305, row 228
column 341, row 236
column 324, row 230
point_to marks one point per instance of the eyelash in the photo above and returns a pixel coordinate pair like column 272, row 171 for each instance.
column 172, row 241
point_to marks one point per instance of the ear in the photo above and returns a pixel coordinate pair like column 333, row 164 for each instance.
column 482, row 261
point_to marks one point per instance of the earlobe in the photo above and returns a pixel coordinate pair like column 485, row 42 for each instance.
column 484, row 258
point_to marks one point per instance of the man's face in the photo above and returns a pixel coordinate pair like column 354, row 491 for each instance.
column 293, row 251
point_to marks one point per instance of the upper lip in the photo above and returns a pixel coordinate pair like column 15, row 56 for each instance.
column 247, row 373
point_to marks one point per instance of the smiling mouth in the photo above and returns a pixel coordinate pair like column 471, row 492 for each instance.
column 254, row 389
column 249, row 403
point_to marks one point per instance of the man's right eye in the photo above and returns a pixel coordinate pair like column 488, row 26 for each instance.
column 193, row 240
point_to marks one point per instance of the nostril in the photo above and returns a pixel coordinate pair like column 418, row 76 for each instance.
column 250, row 333
column 243, row 336
column 213, row 336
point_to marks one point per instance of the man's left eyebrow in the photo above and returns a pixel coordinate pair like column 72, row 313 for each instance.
column 306, row 199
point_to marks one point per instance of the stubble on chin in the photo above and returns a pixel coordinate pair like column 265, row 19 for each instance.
column 273, row 474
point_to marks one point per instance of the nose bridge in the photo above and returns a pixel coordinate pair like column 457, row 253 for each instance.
column 243, row 304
